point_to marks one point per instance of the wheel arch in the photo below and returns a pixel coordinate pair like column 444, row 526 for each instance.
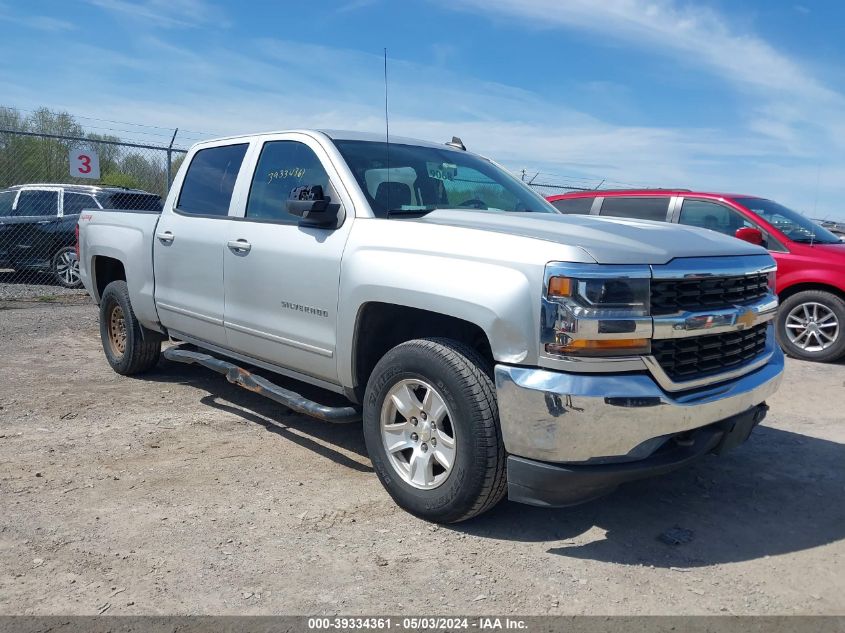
column 381, row 326
column 795, row 288
column 105, row 270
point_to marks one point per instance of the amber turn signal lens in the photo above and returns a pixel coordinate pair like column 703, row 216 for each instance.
column 633, row 345
column 560, row 287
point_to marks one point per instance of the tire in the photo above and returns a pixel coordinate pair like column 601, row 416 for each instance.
column 458, row 378
column 65, row 268
column 130, row 348
column 811, row 326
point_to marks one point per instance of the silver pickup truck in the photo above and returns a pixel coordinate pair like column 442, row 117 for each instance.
column 489, row 344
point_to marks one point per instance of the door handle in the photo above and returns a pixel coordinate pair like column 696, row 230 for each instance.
column 239, row 246
column 165, row 238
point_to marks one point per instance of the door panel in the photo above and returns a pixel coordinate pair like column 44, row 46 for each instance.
column 281, row 296
column 189, row 243
column 281, row 293
column 188, row 262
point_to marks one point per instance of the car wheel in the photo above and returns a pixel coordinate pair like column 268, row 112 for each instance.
column 66, row 268
column 431, row 426
column 130, row 348
column 811, row 326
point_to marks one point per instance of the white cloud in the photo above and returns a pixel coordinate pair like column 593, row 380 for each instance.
column 784, row 96
column 38, row 22
column 354, row 5
column 700, row 34
column 165, row 13
column 276, row 84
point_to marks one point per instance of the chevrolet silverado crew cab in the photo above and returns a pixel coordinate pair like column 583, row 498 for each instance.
column 490, row 344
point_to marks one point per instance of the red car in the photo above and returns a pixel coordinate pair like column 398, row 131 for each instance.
column 811, row 259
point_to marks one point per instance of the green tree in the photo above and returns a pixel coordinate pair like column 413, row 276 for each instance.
column 27, row 159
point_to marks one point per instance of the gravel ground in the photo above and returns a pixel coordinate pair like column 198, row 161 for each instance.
column 33, row 286
column 177, row 493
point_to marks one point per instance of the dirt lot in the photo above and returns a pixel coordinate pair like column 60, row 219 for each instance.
column 179, row 494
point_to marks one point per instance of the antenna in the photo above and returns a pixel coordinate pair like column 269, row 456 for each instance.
column 386, row 131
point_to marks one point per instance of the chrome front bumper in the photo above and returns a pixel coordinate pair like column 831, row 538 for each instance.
column 599, row 418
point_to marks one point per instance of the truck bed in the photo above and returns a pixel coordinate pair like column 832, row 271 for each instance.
column 124, row 236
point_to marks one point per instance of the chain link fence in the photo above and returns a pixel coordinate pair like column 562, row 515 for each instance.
column 46, row 180
column 546, row 189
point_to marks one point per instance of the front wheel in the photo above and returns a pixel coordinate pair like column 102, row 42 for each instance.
column 811, row 326
column 431, row 425
column 65, row 267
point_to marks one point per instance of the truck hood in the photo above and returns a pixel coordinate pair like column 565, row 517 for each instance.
column 607, row 240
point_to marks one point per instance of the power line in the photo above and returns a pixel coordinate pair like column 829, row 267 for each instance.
column 144, row 125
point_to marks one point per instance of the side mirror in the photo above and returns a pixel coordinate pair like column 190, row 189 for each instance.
column 750, row 234
column 312, row 207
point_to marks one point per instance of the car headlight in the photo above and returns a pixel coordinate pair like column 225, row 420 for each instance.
column 597, row 316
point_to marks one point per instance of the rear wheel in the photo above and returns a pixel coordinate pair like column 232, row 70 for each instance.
column 432, row 430
column 65, row 267
column 811, row 326
column 130, row 348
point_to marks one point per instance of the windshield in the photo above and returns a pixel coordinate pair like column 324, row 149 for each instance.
column 791, row 223
column 420, row 179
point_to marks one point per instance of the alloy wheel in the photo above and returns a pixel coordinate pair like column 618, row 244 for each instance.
column 67, row 268
column 418, row 435
column 812, row 326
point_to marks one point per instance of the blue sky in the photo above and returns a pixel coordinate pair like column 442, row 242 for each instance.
column 718, row 95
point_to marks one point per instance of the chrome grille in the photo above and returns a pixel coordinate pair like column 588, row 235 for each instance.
column 699, row 356
column 670, row 296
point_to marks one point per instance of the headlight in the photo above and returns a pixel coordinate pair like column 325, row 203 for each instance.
column 595, row 316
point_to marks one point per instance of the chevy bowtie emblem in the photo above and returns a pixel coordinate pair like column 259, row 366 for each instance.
column 746, row 319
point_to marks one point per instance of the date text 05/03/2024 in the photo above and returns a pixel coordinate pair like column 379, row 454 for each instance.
column 416, row 623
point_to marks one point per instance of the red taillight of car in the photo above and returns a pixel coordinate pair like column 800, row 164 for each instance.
column 76, row 232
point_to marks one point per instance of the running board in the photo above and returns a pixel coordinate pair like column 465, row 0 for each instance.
column 240, row 376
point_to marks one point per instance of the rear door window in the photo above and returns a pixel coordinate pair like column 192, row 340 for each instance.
column 7, row 199
column 130, row 201
column 38, row 203
column 208, row 185
column 640, row 208
column 75, row 202
column 578, row 206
